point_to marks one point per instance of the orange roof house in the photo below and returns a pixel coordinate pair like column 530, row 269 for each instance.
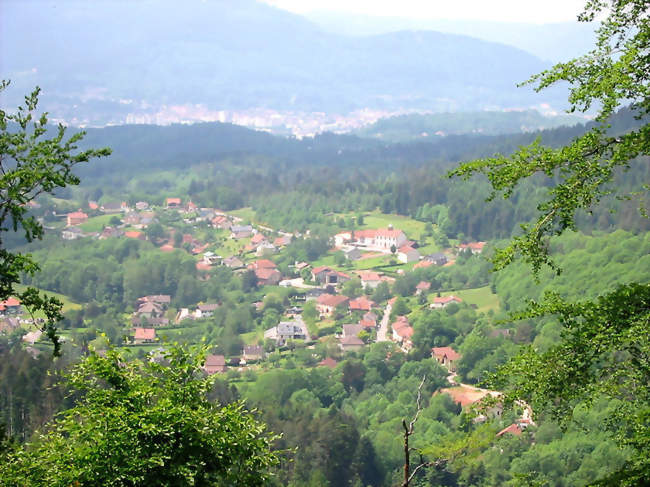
column 446, row 356
column 474, row 247
column 76, row 218
column 144, row 335
column 173, row 202
column 135, row 234
column 442, row 301
column 263, row 264
column 361, row 304
column 513, row 429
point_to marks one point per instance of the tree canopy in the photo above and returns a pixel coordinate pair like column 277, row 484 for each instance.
column 605, row 350
column 144, row 422
column 32, row 161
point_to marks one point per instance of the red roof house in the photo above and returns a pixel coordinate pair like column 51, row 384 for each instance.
column 144, row 335
column 76, row 218
column 447, row 356
column 442, row 301
column 361, row 304
column 214, row 364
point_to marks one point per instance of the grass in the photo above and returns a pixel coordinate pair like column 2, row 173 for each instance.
column 246, row 214
column 68, row 304
column 252, row 337
column 482, row 297
column 96, row 223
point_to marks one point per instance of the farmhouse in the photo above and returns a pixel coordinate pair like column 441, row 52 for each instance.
column 214, row 364
column 446, row 356
column 327, row 303
column 379, row 240
column 76, row 218
column 327, row 275
column 444, row 301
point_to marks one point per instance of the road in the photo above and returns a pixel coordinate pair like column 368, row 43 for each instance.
column 383, row 325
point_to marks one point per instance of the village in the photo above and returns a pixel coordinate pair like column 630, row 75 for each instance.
column 329, row 304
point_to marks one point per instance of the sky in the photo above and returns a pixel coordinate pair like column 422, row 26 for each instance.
column 489, row 10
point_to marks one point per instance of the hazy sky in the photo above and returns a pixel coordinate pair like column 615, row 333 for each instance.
column 494, row 10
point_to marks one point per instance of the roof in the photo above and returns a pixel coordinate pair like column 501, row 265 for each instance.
column 157, row 298
column 258, row 238
column 264, row 264
column 423, row 285
column 406, row 248
column 513, row 429
column 448, row 352
column 368, row 323
column 352, row 330
column 473, row 245
column 145, row 334
column 466, row 395
column 11, row 301
column 446, row 299
column 332, row 300
column 215, row 361
column 77, row 214
column 370, row 316
column 352, row 340
column 266, row 273
column 436, row 256
column 318, row 270
column 362, row 303
column 369, row 276
column 233, row 261
column 384, row 233
column 175, row 201
column 402, row 327
column 149, row 306
column 208, row 306
column 133, row 234
column 328, row 362
column 253, row 350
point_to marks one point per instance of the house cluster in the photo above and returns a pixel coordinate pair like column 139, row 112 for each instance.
column 149, row 315
column 215, row 364
column 263, row 246
column 437, row 259
column 266, row 272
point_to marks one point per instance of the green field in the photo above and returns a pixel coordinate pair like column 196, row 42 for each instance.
column 68, row 304
column 482, row 297
column 246, row 214
column 96, row 223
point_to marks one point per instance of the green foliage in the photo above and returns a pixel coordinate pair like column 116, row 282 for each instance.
column 144, row 423
column 32, row 162
column 604, row 351
column 615, row 72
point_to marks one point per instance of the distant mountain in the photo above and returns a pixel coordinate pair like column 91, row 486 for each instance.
column 98, row 62
column 553, row 42
column 417, row 126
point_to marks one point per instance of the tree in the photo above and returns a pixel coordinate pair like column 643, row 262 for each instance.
column 605, row 351
column 144, row 422
column 32, row 162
